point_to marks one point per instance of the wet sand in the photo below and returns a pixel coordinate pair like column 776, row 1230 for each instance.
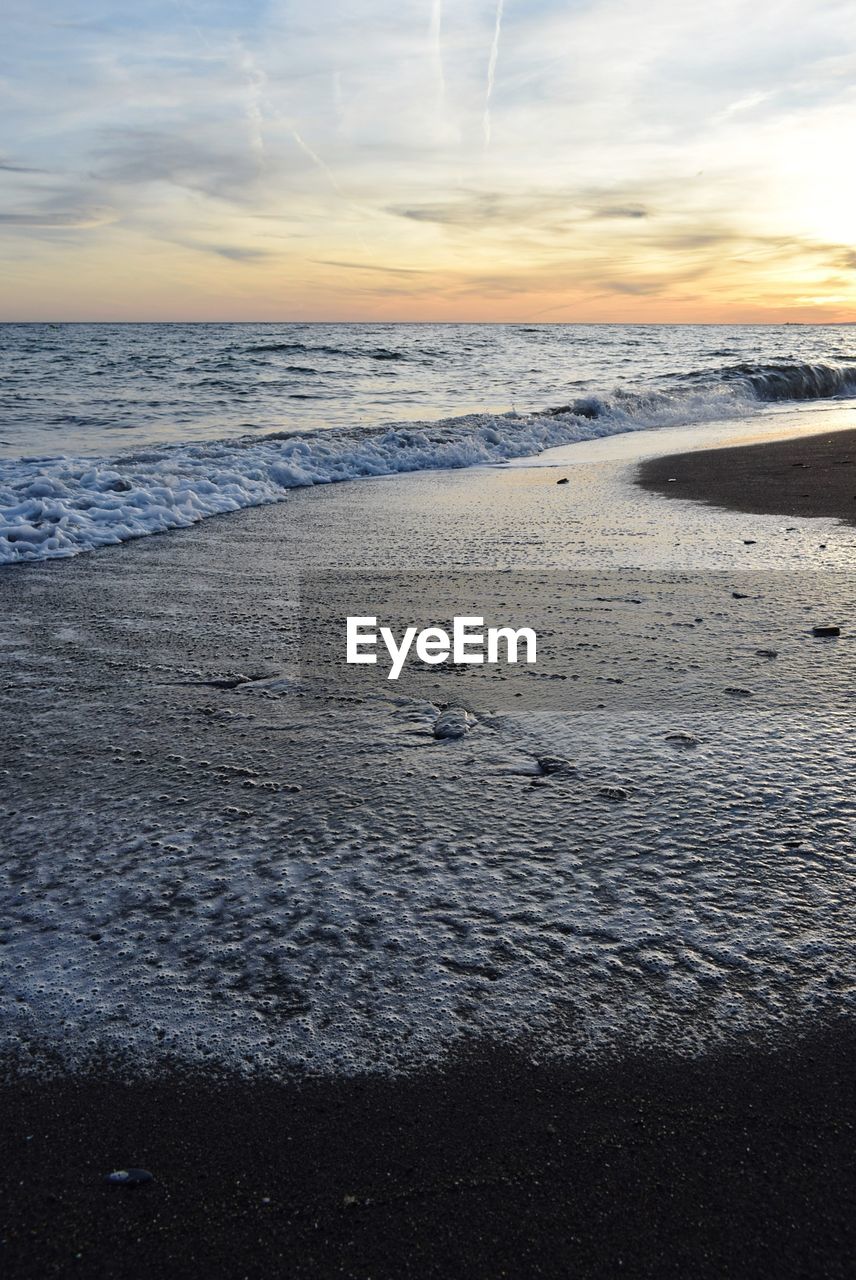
column 737, row 1165
column 807, row 476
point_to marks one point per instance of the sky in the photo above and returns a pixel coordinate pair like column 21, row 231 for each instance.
column 497, row 160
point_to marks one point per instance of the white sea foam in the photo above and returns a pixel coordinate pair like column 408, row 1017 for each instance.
column 60, row 506
column 338, row 925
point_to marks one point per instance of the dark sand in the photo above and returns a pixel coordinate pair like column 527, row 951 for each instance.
column 739, row 1166
column 808, row 476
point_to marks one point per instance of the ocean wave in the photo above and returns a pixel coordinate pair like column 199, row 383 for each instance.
column 262, row 348
column 704, row 393
column 797, row 380
column 58, row 507
column 296, row 348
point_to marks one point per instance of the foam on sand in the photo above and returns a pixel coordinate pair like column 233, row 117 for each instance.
column 270, row 875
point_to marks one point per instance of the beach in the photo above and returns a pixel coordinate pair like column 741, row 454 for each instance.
column 427, row 642
column 797, row 477
column 725, row 1166
column 370, row 1003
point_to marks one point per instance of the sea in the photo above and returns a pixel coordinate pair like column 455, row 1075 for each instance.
column 113, row 431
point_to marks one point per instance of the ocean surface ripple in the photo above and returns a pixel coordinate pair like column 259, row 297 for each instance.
column 232, row 416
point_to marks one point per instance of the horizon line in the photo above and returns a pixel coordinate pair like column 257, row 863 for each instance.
column 638, row 324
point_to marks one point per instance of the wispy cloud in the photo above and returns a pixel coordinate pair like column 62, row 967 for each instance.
column 256, row 81
column 491, row 71
column 223, row 169
column 435, row 35
column 749, row 103
column 68, row 219
column 237, row 253
column 620, row 211
column 604, row 159
column 370, row 266
column 475, row 210
column 316, row 160
column 8, row 166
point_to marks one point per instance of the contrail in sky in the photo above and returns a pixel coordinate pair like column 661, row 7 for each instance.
column 256, row 82
column 319, row 164
column 491, row 71
column 316, row 160
column 435, row 33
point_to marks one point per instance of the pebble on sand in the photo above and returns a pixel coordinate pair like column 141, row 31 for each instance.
column 129, row 1177
column 454, row 722
column 610, row 792
column 556, row 765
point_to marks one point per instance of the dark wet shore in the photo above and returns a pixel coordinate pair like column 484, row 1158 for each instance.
column 741, row 1165
column 808, row 476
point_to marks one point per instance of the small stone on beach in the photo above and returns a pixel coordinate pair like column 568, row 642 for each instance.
column 555, row 765
column 454, row 722
column 614, row 793
column 129, row 1177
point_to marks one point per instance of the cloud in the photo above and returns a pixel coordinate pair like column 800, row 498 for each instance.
column 236, row 253
column 256, row 83
column 7, row 166
column 69, row 219
column 135, row 157
column 621, row 211
column 367, row 266
column 749, row 103
column 491, row 70
column 435, row 37
column 316, row 160
column 634, row 288
column 474, row 210
column 556, row 206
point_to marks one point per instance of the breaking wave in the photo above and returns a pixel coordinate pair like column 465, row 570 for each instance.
column 57, row 507
column 791, row 381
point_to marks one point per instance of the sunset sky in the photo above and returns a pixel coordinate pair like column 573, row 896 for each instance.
column 428, row 159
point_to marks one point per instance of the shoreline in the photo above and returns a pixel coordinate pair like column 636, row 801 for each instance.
column 739, row 1163
column 808, row 476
